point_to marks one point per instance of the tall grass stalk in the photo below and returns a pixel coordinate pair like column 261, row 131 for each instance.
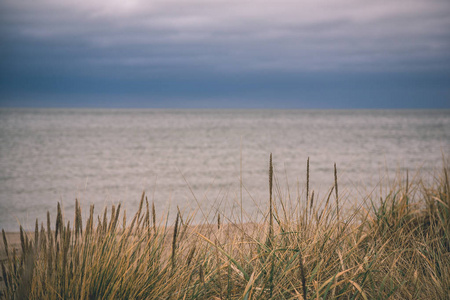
column 337, row 193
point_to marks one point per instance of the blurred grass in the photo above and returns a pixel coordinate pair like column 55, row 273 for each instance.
column 396, row 248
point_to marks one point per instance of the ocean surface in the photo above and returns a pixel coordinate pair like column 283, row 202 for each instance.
column 192, row 158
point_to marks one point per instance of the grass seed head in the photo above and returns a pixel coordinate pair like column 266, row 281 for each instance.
column 5, row 243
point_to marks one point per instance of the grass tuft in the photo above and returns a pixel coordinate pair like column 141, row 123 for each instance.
column 397, row 246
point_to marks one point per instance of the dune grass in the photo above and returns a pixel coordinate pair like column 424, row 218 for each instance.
column 397, row 248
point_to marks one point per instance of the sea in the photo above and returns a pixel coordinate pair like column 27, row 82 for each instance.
column 205, row 162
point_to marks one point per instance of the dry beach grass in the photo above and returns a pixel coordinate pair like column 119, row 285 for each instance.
column 396, row 247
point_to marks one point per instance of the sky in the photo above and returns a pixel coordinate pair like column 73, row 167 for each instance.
column 323, row 54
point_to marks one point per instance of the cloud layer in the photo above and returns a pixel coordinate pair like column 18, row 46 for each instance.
column 152, row 40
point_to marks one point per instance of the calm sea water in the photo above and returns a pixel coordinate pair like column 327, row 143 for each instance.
column 191, row 158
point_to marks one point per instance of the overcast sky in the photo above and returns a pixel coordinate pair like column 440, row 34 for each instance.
column 225, row 53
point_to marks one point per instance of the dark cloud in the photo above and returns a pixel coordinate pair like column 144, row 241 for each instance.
column 225, row 49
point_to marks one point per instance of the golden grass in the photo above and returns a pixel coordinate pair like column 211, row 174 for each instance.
column 397, row 248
